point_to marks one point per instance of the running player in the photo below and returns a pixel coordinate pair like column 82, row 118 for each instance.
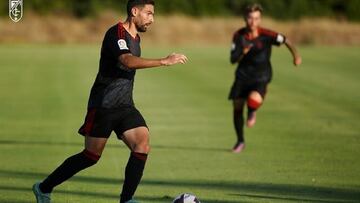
column 111, row 106
column 251, row 49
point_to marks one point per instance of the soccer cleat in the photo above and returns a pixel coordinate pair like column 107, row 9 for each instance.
column 239, row 147
column 40, row 196
column 251, row 120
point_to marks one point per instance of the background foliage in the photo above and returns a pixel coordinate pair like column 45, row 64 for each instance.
column 279, row 9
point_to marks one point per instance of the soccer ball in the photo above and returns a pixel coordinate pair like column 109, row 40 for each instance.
column 186, row 198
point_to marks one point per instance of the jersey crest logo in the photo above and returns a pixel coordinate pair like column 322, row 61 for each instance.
column 122, row 44
column 15, row 10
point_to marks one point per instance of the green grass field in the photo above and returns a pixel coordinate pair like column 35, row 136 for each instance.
column 304, row 148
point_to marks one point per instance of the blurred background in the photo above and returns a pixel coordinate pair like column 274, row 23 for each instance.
column 212, row 21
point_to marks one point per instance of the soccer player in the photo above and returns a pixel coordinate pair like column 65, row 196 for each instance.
column 251, row 49
column 111, row 106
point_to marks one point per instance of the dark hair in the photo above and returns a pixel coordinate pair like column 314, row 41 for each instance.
column 252, row 8
column 132, row 3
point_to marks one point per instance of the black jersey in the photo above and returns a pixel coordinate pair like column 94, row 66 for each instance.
column 114, row 83
column 255, row 66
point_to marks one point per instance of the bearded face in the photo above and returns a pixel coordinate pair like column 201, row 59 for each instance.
column 143, row 17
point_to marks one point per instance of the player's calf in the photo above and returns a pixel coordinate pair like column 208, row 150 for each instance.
column 138, row 141
column 69, row 168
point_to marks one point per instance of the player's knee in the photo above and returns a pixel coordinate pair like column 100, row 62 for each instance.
column 143, row 144
column 254, row 100
column 256, row 96
column 91, row 157
column 145, row 149
column 142, row 148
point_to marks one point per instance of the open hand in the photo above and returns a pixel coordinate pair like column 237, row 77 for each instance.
column 173, row 59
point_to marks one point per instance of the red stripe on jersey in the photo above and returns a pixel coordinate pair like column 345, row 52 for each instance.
column 267, row 32
column 89, row 123
column 121, row 31
column 249, row 37
column 239, row 33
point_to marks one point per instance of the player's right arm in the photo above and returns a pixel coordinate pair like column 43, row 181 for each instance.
column 119, row 49
column 134, row 62
column 238, row 51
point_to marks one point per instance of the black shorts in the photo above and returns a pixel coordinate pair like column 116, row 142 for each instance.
column 100, row 122
column 242, row 89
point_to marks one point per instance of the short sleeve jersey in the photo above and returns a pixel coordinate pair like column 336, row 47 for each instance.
column 255, row 65
column 113, row 86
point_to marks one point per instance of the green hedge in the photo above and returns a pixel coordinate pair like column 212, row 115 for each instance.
column 279, row 9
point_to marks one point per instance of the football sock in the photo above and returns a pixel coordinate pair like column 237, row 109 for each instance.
column 133, row 173
column 68, row 168
column 239, row 125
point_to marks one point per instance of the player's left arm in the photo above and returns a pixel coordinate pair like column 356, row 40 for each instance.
column 294, row 52
column 278, row 39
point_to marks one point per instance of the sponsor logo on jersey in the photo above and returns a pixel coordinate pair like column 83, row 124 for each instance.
column 123, row 45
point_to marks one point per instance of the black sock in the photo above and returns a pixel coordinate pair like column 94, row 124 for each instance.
column 133, row 173
column 251, row 110
column 239, row 125
column 67, row 169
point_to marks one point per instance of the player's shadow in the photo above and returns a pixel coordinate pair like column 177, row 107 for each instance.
column 112, row 197
column 62, row 144
column 242, row 190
